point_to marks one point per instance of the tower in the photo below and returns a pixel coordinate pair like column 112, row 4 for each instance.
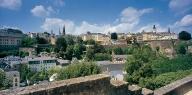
column 64, row 30
column 59, row 31
column 169, row 30
column 154, row 29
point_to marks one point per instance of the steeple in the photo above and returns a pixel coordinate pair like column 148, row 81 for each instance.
column 154, row 29
column 59, row 31
column 169, row 30
column 64, row 30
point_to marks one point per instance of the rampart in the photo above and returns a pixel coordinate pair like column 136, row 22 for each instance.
column 99, row 84
column 179, row 87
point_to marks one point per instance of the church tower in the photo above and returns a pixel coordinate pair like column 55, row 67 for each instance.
column 169, row 30
column 64, row 30
column 59, row 31
column 154, row 29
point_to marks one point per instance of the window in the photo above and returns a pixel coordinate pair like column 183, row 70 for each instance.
column 15, row 84
column 15, row 79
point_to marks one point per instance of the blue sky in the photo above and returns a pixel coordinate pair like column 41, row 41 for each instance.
column 80, row 16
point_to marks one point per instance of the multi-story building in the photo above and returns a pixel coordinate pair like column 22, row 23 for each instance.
column 154, row 35
column 15, row 77
column 9, row 38
column 38, row 63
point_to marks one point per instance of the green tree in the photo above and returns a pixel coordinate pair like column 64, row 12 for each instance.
column 78, row 70
column 183, row 35
column 157, row 48
column 69, row 52
column 27, row 41
column 99, row 48
column 182, row 50
column 114, row 36
column 118, row 51
column 90, row 54
column 61, row 44
column 2, row 78
column 90, row 42
column 41, row 40
column 79, row 40
column 76, row 51
column 69, row 39
column 18, row 31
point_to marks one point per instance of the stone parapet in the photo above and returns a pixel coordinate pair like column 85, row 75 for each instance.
column 99, row 84
column 179, row 87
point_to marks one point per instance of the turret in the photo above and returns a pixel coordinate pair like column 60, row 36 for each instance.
column 154, row 29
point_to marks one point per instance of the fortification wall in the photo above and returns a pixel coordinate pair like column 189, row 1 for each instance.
column 28, row 49
column 113, row 46
column 179, row 87
column 89, row 85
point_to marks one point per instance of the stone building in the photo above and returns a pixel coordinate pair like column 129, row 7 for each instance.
column 15, row 76
column 154, row 35
column 9, row 38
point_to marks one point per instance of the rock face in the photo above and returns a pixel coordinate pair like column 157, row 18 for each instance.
column 89, row 85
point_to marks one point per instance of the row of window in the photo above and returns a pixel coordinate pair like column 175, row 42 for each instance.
column 9, row 46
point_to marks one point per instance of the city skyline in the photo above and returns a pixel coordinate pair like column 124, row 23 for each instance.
column 99, row 16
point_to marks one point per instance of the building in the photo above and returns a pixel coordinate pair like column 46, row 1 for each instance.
column 154, row 35
column 38, row 63
column 15, row 77
column 9, row 38
column 54, row 37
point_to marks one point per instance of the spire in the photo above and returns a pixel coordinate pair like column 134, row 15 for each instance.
column 59, row 31
column 169, row 30
column 154, row 29
column 64, row 30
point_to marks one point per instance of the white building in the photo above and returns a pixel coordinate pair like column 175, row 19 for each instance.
column 15, row 76
column 37, row 63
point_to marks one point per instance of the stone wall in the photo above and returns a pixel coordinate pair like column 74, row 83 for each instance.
column 179, row 87
column 28, row 49
column 89, row 85
column 166, row 46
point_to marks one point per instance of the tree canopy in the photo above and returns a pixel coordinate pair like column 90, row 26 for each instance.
column 27, row 41
column 183, row 35
column 114, row 36
column 61, row 44
column 69, row 39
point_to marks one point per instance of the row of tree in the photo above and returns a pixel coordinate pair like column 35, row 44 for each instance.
column 151, row 69
column 14, row 53
column 71, row 71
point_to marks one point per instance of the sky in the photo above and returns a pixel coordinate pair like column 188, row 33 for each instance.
column 96, row 16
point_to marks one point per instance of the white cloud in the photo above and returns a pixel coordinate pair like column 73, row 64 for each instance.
column 56, row 23
column 59, row 3
column 5, row 26
column 180, row 6
column 183, row 25
column 40, row 11
column 11, row 4
column 131, row 14
column 149, row 28
column 50, row 9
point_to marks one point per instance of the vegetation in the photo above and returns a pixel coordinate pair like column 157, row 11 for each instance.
column 183, row 35
column 152, row 70
column 71, row 71
column 27, row 41
column 114, row 36
column 78, row 70
column 61, row 44
column 14, row 53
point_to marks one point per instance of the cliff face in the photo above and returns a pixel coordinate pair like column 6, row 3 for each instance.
column 90, row 85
